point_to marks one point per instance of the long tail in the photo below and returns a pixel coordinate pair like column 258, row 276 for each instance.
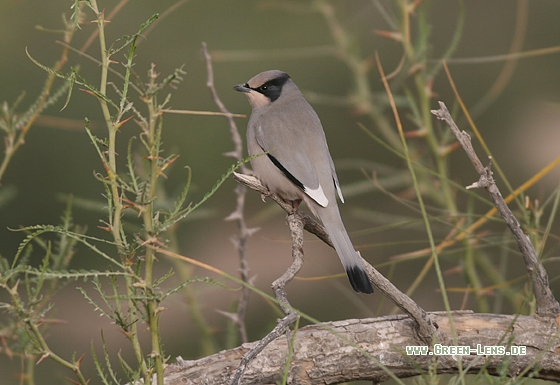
column 330, row 217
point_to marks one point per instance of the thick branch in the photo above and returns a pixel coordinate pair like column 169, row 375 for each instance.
column 426, row 329
column 547, row 306
column 323, row 357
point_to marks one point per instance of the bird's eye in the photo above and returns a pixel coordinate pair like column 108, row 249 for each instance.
column 264, row 88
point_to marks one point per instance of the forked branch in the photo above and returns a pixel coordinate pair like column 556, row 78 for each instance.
column 547, row 305
column 427, row 330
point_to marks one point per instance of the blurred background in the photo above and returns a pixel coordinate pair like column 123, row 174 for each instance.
column 520, row 123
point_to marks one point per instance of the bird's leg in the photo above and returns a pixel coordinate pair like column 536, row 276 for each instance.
column 295, row 222
column 295, row 206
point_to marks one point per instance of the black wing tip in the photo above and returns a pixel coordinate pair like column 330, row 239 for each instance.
column 359, row 280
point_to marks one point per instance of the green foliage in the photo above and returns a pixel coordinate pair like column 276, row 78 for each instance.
column 31, row 290
column 129, row 292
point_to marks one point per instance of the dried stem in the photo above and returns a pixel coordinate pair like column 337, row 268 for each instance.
column 240, row 241
column 547, row 306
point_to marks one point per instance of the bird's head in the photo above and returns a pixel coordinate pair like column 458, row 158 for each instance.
column 265, row 88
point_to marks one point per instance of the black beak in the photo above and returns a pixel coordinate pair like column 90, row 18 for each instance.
column 242, row 88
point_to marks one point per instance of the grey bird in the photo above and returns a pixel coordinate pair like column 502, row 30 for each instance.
column 297, row 165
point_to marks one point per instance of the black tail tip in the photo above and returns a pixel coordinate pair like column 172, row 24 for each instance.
column 359, row 280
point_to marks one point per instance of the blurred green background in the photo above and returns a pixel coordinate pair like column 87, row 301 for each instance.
column 522, row 129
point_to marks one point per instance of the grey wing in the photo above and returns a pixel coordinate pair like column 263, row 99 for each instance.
column 290, row 155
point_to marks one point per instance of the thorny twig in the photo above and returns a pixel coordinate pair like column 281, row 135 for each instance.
column 240, row 241
column 547, row 306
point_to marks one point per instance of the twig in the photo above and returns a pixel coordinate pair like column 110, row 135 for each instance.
column 95, row 33
column 547, row 306
column 15, row 138
column 235, row 137
column 364, row 99
column 240, row 241
column 295, row 222
column 427, row 330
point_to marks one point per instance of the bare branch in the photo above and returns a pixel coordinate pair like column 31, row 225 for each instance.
column 240, row 241
column 426, row 329
column 547, row 306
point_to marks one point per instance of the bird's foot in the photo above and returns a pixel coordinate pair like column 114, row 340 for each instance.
column 295, row 206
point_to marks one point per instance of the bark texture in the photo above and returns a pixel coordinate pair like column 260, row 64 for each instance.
column 375, row 349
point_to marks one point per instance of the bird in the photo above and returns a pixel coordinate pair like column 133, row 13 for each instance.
column 297, row 164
